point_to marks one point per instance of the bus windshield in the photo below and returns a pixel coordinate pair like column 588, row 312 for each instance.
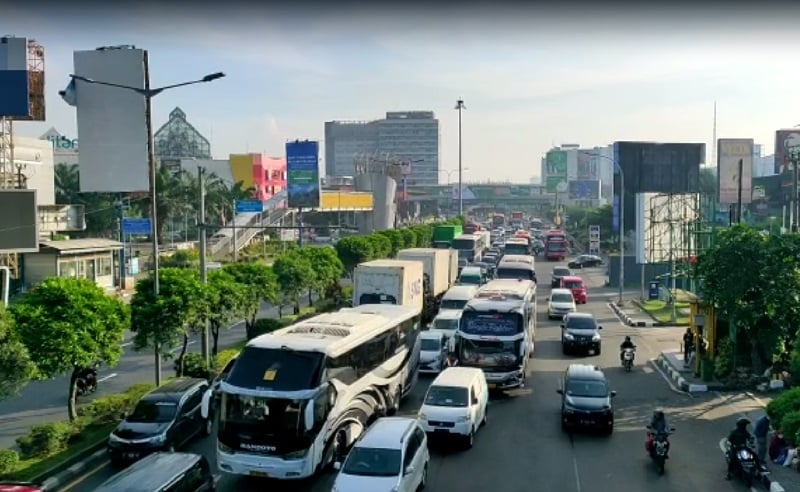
column 262, row 425
column 276, row 369
column 557, row 246
column 516, row 273
column 491, row 324
column 489, row 353
column 516, row 249
column 468, row 244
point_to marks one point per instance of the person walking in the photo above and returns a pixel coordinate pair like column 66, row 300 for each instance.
column 688, row 346
column 761, row 433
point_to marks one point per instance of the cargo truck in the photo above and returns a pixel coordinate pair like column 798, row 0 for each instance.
column 443, row 235
column 436, row 264
column 389, row 282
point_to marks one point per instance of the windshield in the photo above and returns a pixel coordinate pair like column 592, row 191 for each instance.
column 489, row 353
column 573, row 285
column 445, row 324
column 491, row 324
column 557, row 246
column 559, row 297
column 373, row 462
column 515, row 273
column 430, row 345
column 446, row 396
column 153, row 411
column 468, row 244
column 469, row 279
column 276, row 369
column 580, row 323
column 561, row 272
column 453, row 304
column 265, row 416
column 586, row 388
column 516, row 249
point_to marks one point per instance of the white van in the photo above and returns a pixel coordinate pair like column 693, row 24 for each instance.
column 446, row 322
column 457, row 297
column 456, row 404
column 432, row 352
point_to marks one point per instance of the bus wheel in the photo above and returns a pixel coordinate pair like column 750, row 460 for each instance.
column 395, row 407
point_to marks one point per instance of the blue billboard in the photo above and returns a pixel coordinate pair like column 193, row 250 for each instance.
column 584, row 189
column 302, row 174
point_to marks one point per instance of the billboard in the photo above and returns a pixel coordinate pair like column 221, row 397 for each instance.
column 111, row 121
column 585, row 189
column 14, row 92
column 730, row 153
column 660, row 219
column 19, row 223
column 302, row 174
column 785, row 140
column 650, row 167
column 555, row 172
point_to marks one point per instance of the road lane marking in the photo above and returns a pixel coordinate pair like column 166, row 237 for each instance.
column 577, row 476
column 176, row 349
column 106, row 378
column 85, row 476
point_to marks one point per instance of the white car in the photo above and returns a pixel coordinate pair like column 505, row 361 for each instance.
column 433, row 351
column 446, row 322
column 456, row 404
column 392, row 456
column 560, row 303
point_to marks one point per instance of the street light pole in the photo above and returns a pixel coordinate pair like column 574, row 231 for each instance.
column 149, row 93
column 204, row 345
column 460, row 106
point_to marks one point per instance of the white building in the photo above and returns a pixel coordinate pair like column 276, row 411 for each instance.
column 65, row 149
column 33, row 158
column 412, row 135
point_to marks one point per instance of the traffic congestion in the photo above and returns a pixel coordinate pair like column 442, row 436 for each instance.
column 445, row 374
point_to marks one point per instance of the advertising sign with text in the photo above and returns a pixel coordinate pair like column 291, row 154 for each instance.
column 302, row 170
column 733, row 154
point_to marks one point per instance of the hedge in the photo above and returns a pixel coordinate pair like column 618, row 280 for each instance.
column 783, row 405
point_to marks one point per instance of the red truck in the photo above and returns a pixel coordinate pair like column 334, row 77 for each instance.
column 556, row 245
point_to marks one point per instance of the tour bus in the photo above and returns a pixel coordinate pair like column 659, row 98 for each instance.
column 469, row 247
column 517, row 246
column 297, row 398
column 496, row 332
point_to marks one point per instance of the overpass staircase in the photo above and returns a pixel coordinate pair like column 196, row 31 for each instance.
column 247, row 226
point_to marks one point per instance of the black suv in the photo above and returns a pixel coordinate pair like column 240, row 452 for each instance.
column 586, row 399
column 580, row 333
column 559, row 272
column 164, row 472
column 163, row 420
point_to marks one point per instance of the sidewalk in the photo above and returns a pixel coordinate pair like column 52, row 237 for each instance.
column 671, row 363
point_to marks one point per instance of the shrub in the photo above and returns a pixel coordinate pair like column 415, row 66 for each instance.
column 790, row 425
column 108, row 409
column 263, row 326
column 46, row 439
column 194, row 366
column 8, row 461
column 222, row 358
column 783, row 405
column 723, row 362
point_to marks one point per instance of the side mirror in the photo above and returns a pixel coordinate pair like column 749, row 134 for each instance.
column 409, row 470
column 562, row 325
column 308, row 416
column 599, row 327
column 672, row 429
column 474, row 401
column 560, row 391
column 649, row 427
column 613, row 394
column 337, row 465
column 123, row 415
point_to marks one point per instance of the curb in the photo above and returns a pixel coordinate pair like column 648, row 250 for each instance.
column 681, row 382
column 72, row 469
column 628, row 321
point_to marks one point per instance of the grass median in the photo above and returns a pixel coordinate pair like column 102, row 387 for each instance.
column 661, row 311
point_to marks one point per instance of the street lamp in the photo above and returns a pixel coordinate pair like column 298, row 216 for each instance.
column 451, row 171
column 618, row 170
column 149, row 94
column 460, row 106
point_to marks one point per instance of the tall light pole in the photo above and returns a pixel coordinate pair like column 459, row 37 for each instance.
column 149, row 93
column 460, row 106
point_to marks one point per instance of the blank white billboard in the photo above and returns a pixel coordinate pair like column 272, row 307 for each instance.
column 661, row 225
column 111, row 121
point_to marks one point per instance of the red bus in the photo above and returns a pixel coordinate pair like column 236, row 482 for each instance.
column 555, row 245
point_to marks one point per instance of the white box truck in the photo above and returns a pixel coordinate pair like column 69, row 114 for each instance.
column 436, row 267
column 453, row 266
column 389, row 282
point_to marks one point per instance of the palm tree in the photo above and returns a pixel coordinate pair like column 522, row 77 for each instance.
column 67, row 183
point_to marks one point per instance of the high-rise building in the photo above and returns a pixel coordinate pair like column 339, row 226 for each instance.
column 407, row 135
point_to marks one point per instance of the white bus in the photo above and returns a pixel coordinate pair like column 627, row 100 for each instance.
column 497, row 331
column 298, row 398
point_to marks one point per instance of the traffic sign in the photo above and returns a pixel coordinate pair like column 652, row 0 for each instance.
column 136, row 226
column 248, row 206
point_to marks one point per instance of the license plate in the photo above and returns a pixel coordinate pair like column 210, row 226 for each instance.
column 587, row 422
column 591, row 352
column 440, row 431
column 254, row 473
column 131, row 456
column 492, row 386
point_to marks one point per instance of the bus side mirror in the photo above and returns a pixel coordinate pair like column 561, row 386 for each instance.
column 308, row 416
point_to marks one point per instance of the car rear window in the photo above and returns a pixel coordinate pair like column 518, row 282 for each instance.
column 580, row 323
column 574, row 284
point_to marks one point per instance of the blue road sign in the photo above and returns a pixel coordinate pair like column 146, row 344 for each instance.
column 246, row 206
column 135, row 226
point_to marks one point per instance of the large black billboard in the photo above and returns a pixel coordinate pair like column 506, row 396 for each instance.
column 650, row 167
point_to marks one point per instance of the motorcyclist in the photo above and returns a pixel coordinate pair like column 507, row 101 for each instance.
column 738, row 438
column 658, row 425
column 626, row 344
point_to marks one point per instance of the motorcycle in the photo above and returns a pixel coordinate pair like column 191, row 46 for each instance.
column 658, row 447
column 627, row 359
column 747, row 466
column 86, row 383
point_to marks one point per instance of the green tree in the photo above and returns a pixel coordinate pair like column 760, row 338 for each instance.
column 353, row 250
column 260, row 284
column 326, row 265
column 396, row 239
column 164, row 323
column 16, row 366
column 381, row 245
column 100, row 208
column 227, row 302
column 68, row 324
column 294, row 272
column 409, row 237
column 183, row 258
column 764, row 311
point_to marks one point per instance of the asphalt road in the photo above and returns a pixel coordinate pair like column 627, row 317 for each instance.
column 46, row 401
column 523, row 447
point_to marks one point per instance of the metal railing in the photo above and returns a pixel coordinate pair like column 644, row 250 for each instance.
column 246, row 227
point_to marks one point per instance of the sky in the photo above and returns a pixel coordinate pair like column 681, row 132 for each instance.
column 531, row 77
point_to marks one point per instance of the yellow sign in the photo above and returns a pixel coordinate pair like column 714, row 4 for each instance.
column 269, row 374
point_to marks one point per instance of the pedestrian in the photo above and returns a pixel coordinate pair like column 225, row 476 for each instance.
column 761, row 431
column 688, row 343
column 778, row 449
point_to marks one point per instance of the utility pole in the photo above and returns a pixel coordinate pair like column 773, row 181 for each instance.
column 233, row 230
column 794, row 156
column 739, row 192
column 204, row 342
column 460, row 106
column 121, row 218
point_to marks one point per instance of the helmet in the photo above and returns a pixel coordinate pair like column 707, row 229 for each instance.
column 627, row 339
column 742, row 423
column 658, row 413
